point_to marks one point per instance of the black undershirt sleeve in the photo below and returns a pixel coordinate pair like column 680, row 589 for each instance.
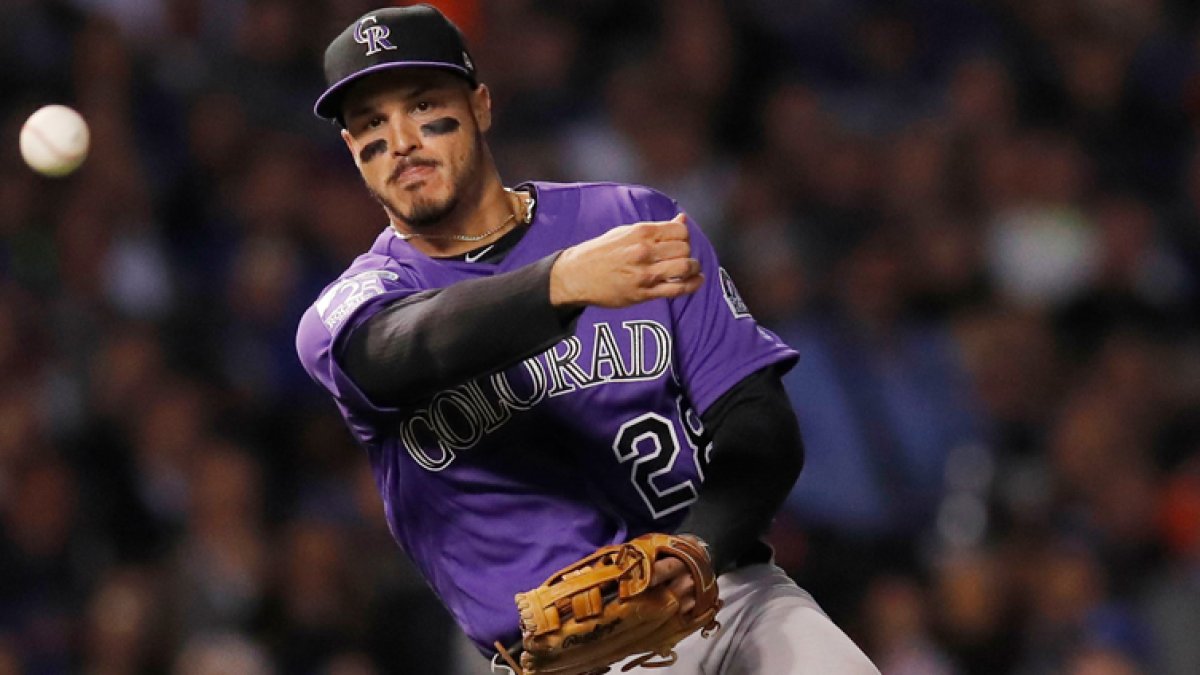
column 437, row 339
column 756, row 457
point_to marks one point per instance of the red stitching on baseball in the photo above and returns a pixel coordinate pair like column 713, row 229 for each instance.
column 54, row 150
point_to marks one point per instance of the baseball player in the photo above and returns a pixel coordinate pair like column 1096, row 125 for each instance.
column 541, row 370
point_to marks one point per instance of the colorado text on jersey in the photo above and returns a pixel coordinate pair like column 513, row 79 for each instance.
column 456, row 419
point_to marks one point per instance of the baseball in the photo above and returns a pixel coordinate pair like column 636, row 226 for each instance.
column 54, row 140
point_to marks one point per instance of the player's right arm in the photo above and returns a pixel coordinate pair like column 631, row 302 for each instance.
column 433, row 340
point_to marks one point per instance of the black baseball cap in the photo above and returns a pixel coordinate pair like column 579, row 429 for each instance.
column 394, row 37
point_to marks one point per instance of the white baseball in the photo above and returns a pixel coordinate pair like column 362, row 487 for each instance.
column 54, row 140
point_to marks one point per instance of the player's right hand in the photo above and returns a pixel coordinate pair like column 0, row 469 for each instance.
column 627, row 265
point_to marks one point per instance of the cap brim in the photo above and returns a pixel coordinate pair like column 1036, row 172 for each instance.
column 328, row 103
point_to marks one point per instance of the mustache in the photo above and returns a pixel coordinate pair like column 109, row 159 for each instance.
column 408, row 163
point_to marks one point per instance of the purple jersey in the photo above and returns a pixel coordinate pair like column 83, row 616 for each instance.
column 493, row 485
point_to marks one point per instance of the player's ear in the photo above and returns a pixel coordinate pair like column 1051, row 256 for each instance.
column 350, row 146
column 481, row 107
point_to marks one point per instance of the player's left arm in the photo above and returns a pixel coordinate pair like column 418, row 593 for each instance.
column 756, row 456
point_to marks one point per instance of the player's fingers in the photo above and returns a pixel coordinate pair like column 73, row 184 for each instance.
column 674, row 288
column 666, row 570
column 673, row 229
column 684, row 588
column 677, row 269
column 671, row 249
column 682, row 585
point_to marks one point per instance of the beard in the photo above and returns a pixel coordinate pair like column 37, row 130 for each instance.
column 425, row 213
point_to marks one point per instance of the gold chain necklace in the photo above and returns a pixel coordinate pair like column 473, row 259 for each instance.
column 527, row 203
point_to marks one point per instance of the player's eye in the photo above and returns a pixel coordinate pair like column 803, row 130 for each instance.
column 375, row 121
column 423, row 106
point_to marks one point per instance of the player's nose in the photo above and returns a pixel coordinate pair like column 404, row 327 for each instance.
column 404, row 136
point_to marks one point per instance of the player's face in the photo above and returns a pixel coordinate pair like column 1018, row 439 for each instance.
column 417, row 138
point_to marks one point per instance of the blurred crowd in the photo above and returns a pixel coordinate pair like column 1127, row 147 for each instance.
column 977, row 220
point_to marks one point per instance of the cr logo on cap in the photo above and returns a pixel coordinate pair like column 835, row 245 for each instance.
column 374, row 37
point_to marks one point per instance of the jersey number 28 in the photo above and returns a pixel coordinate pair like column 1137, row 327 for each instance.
column 649, row 441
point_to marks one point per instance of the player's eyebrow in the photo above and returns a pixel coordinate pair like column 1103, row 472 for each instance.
column 360, row 110
column 369, row 104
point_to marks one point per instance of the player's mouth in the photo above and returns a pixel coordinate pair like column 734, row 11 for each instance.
column 411, row 171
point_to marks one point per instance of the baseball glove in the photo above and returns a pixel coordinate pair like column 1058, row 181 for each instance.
column 602, row 609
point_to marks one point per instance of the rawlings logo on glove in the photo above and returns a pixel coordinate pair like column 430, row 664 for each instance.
column 603, row 609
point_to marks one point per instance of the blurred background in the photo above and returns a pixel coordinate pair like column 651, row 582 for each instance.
column 978, row 221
